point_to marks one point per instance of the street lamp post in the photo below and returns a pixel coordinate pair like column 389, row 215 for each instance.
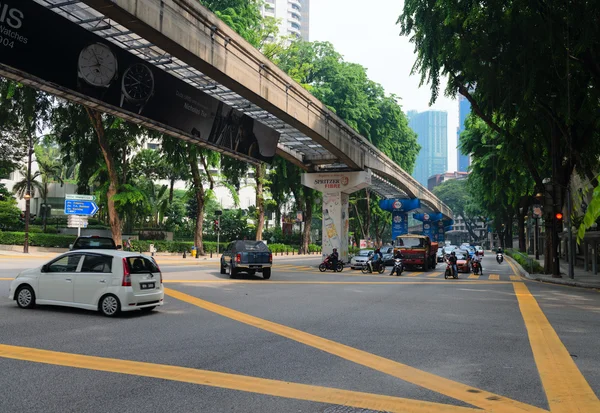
column 28, row 196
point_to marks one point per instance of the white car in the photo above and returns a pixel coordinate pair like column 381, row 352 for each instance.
column 360, row 259
column 109, row 281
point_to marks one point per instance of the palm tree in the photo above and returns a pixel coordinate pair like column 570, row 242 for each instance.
column 50, row 171
column 20, row 188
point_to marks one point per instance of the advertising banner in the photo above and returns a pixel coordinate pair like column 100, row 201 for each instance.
column 441, row 234
column 41, row 43
column 399, row 204
column 431, row 216
column 399, row 224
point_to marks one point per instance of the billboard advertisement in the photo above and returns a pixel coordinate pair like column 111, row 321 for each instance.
column 399, row 223
column 49, row 47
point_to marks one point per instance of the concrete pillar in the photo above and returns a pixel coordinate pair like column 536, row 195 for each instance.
column 336, row 187
column 586, row 256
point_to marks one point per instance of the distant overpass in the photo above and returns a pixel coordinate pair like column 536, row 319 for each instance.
column 186, row 40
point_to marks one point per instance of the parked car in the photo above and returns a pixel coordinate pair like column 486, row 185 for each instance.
column 94, row 242
column 360, row 259
column 106, row 281
column 248, row 256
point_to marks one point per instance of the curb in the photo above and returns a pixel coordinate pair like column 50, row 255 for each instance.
column 557, row 281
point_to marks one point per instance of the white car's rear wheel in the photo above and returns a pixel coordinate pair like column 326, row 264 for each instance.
column 110, row 305
column 25, row 297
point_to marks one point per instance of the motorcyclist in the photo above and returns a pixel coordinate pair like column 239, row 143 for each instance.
column 334, row 258
column 397, row 254
column 376, row 260
column 477, row 259
column 452, row 261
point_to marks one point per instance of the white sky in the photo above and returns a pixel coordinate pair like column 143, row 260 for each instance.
column 366, row 33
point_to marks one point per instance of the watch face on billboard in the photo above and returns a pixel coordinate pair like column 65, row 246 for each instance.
column 43, row 45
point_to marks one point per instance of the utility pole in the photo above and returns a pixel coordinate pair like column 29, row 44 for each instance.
column 570, row 232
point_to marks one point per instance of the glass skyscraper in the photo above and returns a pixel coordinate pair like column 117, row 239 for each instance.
column 431, row 128
column 464, row 108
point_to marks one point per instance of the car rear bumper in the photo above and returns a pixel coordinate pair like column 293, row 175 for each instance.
column 131, row 301
column 257, row 266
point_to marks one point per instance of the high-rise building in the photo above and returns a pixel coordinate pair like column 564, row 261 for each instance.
column 431, row 128
column 293, row 16
column 464, row 108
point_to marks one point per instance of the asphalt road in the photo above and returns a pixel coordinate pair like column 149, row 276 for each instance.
column 306, row 341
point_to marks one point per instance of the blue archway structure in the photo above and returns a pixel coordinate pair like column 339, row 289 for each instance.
column 399, row 209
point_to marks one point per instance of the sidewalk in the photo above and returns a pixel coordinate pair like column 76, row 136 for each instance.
column 582, row 278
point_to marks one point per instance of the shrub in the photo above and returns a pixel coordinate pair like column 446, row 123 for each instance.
column 529, row 264
column 37, row 239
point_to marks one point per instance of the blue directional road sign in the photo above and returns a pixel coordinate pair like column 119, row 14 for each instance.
column 80, row 207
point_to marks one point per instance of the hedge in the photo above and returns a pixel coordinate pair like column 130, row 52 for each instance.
column 529, row 264
column 63, row 241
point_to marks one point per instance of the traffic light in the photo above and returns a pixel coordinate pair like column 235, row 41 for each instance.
column 558, row 218
column 216, row 225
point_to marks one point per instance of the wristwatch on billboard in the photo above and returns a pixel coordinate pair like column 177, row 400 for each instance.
column 96, row 69
column 137, row 87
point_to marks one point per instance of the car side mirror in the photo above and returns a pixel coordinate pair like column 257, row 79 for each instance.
column 119, row 247
column 70, row 247
column 45, row 268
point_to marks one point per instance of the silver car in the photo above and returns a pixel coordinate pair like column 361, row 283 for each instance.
column 360, row 259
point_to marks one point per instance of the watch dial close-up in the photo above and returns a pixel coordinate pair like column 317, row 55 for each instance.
column 97, row 64
column 138, row 82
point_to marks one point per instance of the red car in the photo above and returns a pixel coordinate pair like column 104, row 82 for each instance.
column 463, row 262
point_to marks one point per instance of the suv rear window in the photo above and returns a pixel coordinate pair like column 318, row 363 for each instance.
column 94, row 243
column 141, row 265
column 251, row 246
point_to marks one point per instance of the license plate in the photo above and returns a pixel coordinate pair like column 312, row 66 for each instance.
column 147, row 286
column 255, row 266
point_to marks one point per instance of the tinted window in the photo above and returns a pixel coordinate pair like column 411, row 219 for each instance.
column 68, row 263
column 365, row 253
column 95, row 243
column 251, row 246
column 97, row 263
column 138, row 265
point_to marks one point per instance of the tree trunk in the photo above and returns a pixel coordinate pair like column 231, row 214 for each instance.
column 307, row 215
column 260, row 201
column 171, row 186
column 113, row 186
column 200, row 198
column 548, row 262
column 521, row 225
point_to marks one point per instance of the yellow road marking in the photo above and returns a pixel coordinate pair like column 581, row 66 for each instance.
column 458, row 391
column 566, row 388
column 435, row 274
column 413, row 274
column 260, row 282
column 515, row 278
column 6, row 279
column 494, row 277
column 229, row 381
column 474, row 276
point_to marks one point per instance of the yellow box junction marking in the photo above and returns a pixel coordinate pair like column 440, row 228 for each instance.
column 515, row 278
column 230, row 381
column 566, row 388
column 474, row 276
column 470, row 395
column 434, row 274
column 494, row 277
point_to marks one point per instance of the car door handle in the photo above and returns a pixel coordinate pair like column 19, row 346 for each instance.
column 67, row 279
column 103, row 281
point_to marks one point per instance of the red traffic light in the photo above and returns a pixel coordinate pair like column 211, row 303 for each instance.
column 558, row 216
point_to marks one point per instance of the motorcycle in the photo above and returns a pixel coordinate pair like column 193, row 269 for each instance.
column 398, row 267
column 499, row 258
column 328, row 265
column 476, row 268
column 449, row 272
column 368, row 267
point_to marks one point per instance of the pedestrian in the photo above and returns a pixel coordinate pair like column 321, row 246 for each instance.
column 128, row 245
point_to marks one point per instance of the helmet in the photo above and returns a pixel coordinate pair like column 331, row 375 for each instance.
column 453, row 253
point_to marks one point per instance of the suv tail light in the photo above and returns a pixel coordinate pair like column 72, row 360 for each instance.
column 126, row 274
column 271, row 257
column 238, row 258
